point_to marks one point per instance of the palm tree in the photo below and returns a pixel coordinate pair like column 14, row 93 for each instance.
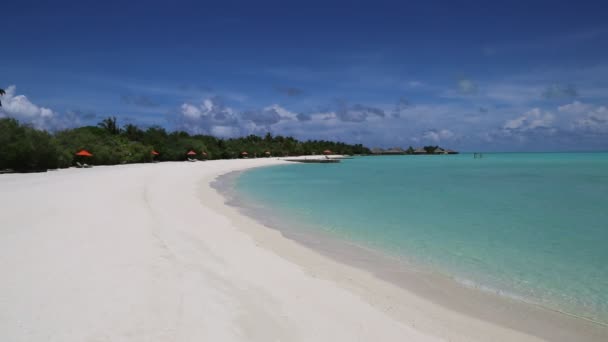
column 2, row 92
column 110, row 125
column 133, row 132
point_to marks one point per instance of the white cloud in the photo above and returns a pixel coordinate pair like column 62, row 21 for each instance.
column 191, row 111
column 585, row 116
column 22, row 109
column 203, row 118
column 213, row 117
column 323, row 116
column 283, row 113
column 595, row 120
column 532, row 119
column 575, row 107
column 437, row 136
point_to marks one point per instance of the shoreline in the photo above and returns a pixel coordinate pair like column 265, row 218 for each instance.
column 151, row 252
column 440, row 289
column 137, row 253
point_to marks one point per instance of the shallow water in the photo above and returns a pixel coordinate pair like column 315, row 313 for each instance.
column 529, row 226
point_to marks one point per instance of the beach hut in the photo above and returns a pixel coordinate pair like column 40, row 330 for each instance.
column 81, row 155
column 326, row 152
column 244, row 154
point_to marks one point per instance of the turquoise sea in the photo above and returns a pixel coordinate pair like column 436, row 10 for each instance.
column 530, row 226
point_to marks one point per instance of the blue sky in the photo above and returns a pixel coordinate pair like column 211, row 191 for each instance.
column 516, row 76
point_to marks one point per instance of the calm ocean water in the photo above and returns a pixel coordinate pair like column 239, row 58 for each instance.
column 531, row 226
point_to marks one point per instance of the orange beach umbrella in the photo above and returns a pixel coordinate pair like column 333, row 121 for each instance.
column 84, row 153
column 155, row 153
column 191, row 153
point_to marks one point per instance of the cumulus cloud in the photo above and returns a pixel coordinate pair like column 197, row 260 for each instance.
column 283, row 113
column 202, row 118
column 595, row 120
column 531, row 120
column 436, row 136
column 212, row 116
column 559, row 91
column 268, row 116
column 575, row 107
column 586, row 116
column 323, row 116
column 22, row 109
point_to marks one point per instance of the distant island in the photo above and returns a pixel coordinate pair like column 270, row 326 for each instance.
column 413, row 151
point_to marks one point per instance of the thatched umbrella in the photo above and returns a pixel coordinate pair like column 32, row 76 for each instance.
column 326, row 152
column 267, row 153
column 244, row 154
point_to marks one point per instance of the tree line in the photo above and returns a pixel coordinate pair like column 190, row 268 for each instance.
column 24, row 148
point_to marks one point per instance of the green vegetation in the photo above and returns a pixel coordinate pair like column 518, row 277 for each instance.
column 24, row 148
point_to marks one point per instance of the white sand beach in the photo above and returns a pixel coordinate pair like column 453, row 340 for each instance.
column 150, row 252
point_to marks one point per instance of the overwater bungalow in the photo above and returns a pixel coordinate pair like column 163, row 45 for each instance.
column 440, row 150
column 377, row 150
column 395, row 150
column 419, row 150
